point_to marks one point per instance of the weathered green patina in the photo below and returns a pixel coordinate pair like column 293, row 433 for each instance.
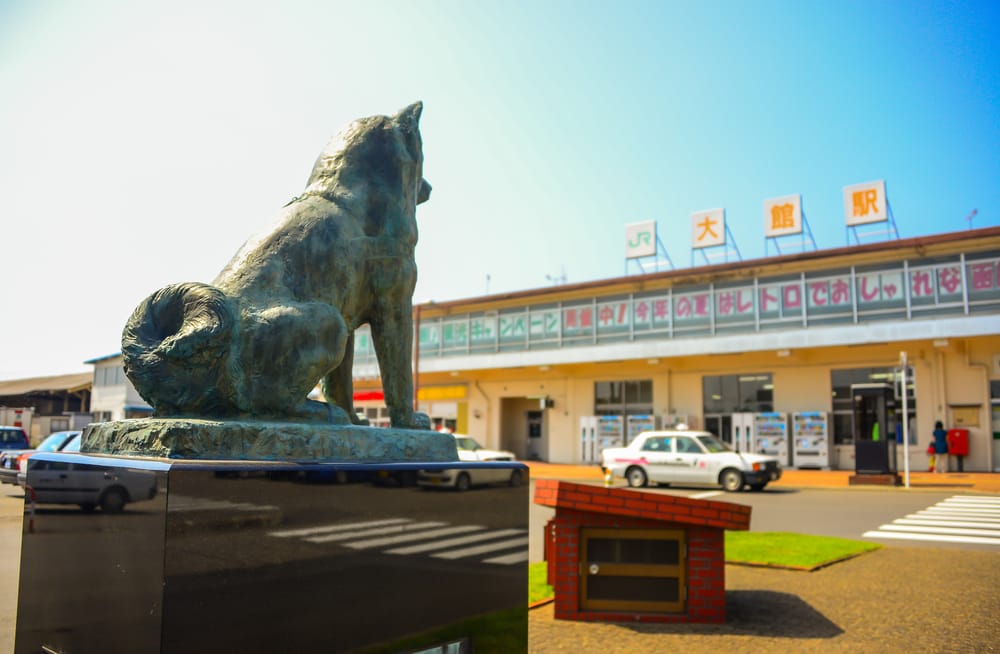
column 183, row 438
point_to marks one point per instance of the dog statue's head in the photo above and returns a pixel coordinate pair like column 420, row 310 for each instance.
column 379, row 157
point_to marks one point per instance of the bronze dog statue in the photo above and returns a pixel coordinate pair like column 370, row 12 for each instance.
column 281, row 315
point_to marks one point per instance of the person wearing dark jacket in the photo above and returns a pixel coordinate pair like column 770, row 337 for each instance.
column 940, row 448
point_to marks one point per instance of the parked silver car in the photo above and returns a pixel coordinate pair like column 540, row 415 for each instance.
column 462, row 479
column 60, row 478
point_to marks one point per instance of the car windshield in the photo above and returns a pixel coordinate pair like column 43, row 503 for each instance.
column 712, row 444
column 466, row 443
column 51, row 443
column 73, row 445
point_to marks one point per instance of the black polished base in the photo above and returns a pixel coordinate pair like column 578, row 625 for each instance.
column 262, row 557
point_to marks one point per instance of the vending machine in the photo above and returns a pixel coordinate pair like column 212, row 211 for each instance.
column 588, row 440
column 771, row 436
column 811, row 436
column 741, row 436
column 610, row 433
column 637, row 424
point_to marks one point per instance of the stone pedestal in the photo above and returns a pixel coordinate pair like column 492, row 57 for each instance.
column 216, row 556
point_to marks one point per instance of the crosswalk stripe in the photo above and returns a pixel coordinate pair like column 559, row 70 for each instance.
column 968, row 512
column 516, row 557
column 975, row 499
column 942, row 538
column 453, row 542
column 409, row 536
column 921, row 515
column 482, row 549
column 991, row 533
column 392, row 529
column 328, row 529
column 942, row 523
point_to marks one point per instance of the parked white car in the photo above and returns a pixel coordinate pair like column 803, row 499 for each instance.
column 462, row 479
column 688, row 457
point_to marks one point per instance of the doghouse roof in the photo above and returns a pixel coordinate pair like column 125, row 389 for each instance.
column 565, row 495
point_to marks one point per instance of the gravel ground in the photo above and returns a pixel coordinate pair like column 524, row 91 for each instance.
column 897, row 599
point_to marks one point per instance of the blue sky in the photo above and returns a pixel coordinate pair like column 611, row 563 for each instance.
column 144, row 142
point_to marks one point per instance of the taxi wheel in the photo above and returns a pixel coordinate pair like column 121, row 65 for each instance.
column 515, row 478
column 462, row 482
column 731, row 480
column 636, row 477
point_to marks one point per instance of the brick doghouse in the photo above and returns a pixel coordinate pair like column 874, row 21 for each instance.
column 622, row 555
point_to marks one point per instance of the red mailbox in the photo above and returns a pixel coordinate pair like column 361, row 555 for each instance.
column 958, row 442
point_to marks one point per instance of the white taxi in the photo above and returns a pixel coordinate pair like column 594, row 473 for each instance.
column 688, row 457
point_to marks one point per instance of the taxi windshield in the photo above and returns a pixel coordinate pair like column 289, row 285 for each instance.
column 712, row 444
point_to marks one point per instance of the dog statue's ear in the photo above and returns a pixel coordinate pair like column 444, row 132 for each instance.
column 409, row 118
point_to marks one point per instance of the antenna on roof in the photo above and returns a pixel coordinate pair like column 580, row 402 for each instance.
column 971, row 216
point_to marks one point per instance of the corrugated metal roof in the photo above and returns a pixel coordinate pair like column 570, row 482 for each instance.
column 72, row 382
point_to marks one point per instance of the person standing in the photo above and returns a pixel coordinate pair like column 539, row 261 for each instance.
column 940, row 448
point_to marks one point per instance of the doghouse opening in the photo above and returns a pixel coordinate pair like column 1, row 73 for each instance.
column 633, row 570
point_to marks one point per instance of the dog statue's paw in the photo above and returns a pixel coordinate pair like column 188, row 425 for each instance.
column 421, row 420
column 411, row 420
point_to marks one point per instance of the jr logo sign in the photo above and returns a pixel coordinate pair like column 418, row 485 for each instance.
column 640, row 240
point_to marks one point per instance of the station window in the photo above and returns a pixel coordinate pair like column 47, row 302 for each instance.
column 724, row 395
column 749, row 393
column 623, row 398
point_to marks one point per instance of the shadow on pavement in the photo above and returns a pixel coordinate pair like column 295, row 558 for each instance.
column 757, row 613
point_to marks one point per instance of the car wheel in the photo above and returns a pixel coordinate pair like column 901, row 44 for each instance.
column 636, row 477
column 462, row 482
column 758, row 487
column 113, row 500
column 731, row 480
column 516, row 478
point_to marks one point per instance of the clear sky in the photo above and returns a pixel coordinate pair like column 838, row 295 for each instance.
column 142, row 142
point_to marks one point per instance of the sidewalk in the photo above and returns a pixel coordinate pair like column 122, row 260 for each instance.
column 983, row 482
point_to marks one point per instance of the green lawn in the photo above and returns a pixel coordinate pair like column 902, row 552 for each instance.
column 768, row 548
column 787, row 550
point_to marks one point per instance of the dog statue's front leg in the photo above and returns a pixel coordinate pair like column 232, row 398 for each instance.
column 392, row 333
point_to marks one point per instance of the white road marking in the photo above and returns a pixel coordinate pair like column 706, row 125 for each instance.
column 410, row 536
column 392, row 529
column 516, row 557
column 958, row 519
column 453, row 542
column 482, row 549
column 930, row 537
column 705, row 495
column 329, row 529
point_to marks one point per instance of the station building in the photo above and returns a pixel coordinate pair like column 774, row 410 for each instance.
column 796, row 354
